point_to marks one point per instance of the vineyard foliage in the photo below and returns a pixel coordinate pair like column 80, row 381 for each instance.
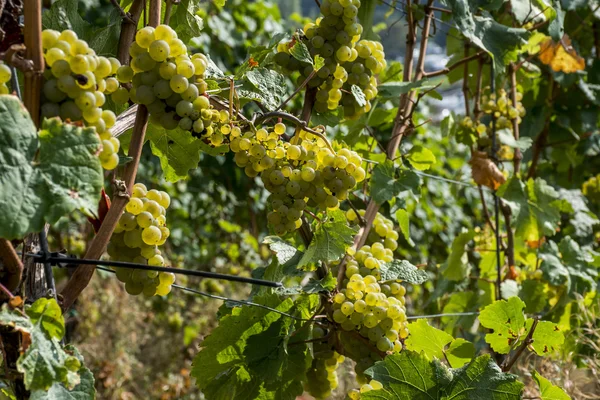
column 372, row 225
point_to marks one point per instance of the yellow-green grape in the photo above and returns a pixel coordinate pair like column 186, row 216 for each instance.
column 137, row 238
column 591, row 189
column 5, row 73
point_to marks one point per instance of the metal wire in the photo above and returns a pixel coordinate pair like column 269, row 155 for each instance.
column 59, row 260
column 14, row 82
column 212, row 296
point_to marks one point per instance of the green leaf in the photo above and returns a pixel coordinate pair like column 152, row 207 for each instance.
column 287, row 255
column 359, row 96
column 45, row 363
column 533, row 293
column 410, row 376
column 48, row 314
column 404, row 271
column 388, row 182
column 460, row 302
column 403, row 219
column 300, row 52
column 393, row 90
column 326, row 284
column 506, row 319
column 177, row 150
column 83, row 391
column 556, row 28
column 533, row 207
column 548, row 391
column 566, row 264
column 505, row 136
column 185, row 20
column 499, row 41
column 248, row 353
column 427, row 339
column 457, row 267
column 265, row 86
column 460, row 352
column 44, row 177
column 421, row 158
column 331, row 238
column 547, row 337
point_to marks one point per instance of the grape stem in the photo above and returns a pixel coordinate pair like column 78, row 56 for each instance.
column 260, row 118
column 126, row 16
column 509, row 362
column 298, row 89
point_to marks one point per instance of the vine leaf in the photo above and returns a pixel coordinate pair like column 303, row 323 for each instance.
column 49, row 315
column 393, row 89
column 44, row 363
column 506, row 319
column 331, row 238
column 84, row 390
column 427, row 339
column 403, row 219
column 548, row 391
column 460, row 352
column 421, row 158
column 485, row 172
column 388, row 182
column 508, row 322
column 410, row 375
column 566, row 264
column 265, row 86
column 547, row 337
column 287, row 255
column 358, row 95
column 300, row 52
column 45, row 176
column 177, row 150
column 534, row 294
column 404, row 271
column 248, row 354
column 457, row 266
column 534, row 208
column 185, row 20
column 499, row 41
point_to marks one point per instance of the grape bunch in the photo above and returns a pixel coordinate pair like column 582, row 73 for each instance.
column 502, row 109
column 591, row 188
column 302, row 173
column 141, row 229
column 75, row 83
column 348, row 61
column 170, row 83
column 321, row 376
column 5, row 75
column 375, row 310
column 382, row 230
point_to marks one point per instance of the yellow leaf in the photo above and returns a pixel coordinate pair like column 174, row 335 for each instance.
column 561, row 56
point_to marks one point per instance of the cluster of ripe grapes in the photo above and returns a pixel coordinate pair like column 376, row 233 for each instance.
column 141, row 229
column 76, row 81
column 322, row 376
column 170, row 82
column 348, row 61
column 304, row 172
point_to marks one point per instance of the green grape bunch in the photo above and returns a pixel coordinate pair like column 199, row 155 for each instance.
column 591, row 189
column 76, row 81
column 348, row 61
column 170, row 83
column 140, row 231
column 322, row 377
column 374, row 309
column 382, row 230
column 302, row 173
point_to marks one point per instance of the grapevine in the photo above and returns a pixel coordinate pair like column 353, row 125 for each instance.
column 389, row 245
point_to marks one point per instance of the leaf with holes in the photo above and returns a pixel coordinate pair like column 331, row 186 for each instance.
column 177, row 150
column 332, row 236
column 44, row 177
column 506, row 319
column 404, row 271
column 547, row 337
